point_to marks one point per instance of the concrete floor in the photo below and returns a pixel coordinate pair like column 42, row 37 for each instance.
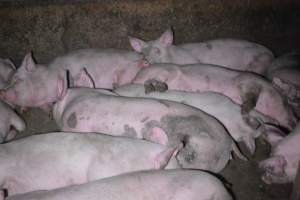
column 242, row 177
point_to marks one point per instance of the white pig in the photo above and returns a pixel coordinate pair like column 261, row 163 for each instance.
column 207, row 145
column 215, row 104
column 7, row 69
column 282, row 166
column 146, row 185
column 53, row 160
column 231, row 53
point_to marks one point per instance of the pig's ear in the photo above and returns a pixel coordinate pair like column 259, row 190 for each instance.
column 163, row 158
column 137, row 44
column 83, row 79
column 166, row 39
column 61, row 87
column 10, row 63
column 28, row 63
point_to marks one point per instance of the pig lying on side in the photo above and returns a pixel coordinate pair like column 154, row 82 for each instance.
column 7, row 69
column 150, row 185
column 53, row 160
column 10, row 122
column 36, row 85
column 282, row 166
column 247, row 89
column 230, row 53
column 207, row 145
column 215, row 104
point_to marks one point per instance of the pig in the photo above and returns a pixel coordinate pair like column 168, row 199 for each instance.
column 215, row 104
column 36, row 85
column 245, row 88
column 10, row 122
column 207, row 145
column 283, row 163
column 150, row 185
column 230, row 53
column 285, row 76
column 58, row 159
column 7, row 69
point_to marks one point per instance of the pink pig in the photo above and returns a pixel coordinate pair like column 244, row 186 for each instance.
column 36, row 85
column 143, row 185
column 231, row 53
column 247, row 89
column 54, row 160
column 282, row 166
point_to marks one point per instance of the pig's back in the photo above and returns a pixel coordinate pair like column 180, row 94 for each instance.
column 150, row 185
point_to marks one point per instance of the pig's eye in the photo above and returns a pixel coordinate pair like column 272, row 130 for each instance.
column 157, row 51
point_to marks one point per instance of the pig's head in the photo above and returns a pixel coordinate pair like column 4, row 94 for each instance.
column 155, row 51
column 7, row 69
column 277, row 170
column 35, row 85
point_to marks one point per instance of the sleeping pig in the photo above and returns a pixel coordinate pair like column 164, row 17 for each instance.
column 247, row 89
column 54, row 160
column 207, row 145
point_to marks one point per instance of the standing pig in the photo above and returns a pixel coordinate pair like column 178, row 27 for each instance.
column 282, row 166
column 53, row 160
column 150, row 185
column 10, row 123
column 247, row 89
column 36, row 85
column 207, row 145
column 230, row 53
column 7, row 69
column 215, row 104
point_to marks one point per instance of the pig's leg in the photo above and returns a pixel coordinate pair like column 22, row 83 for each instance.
column 2, row 194
column 296, row 185
column 155, row 85
column 273, row 134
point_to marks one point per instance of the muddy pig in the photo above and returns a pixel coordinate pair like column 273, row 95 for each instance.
column 53, row 160
column 248, row 89
column 207, row 145
column 282, row 165
column 150, row 185
column 215, row 104
column 230, row 53
column 285, row 76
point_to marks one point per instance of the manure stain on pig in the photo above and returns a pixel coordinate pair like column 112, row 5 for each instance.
column 129, row 131
column 72, row 120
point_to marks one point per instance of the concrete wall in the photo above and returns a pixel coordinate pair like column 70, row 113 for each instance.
column 50, row 28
